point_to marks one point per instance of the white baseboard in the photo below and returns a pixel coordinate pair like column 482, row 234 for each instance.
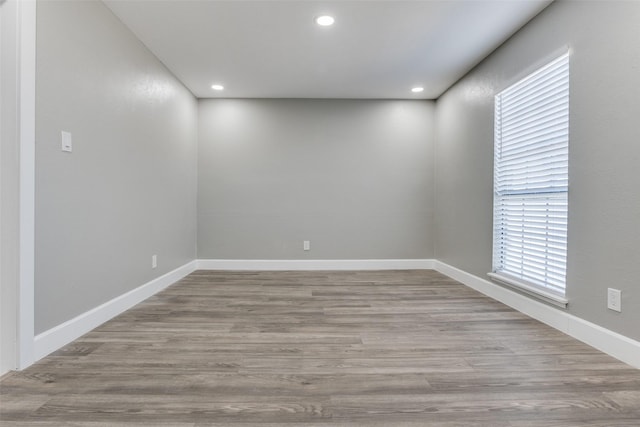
column 605, row 340
column 61, row 335
column 316, row 264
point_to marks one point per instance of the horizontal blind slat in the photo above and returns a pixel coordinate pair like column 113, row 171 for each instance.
column 518, row 109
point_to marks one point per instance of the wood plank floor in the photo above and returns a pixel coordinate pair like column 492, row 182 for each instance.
column 391, row 348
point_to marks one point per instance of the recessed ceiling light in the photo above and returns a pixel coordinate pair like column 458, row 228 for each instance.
column 217, row 87
column 325, row 20
column 417, row 89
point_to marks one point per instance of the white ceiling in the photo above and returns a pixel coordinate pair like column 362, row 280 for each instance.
column 274, row 49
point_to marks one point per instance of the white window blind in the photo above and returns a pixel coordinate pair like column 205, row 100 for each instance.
column 531, row 180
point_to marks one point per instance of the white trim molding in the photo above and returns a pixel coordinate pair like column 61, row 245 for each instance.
column 61, row 335
column 316, row 264
column 27, row 126
column 605, row 340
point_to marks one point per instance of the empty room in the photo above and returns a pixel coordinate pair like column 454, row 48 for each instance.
column 320, row 213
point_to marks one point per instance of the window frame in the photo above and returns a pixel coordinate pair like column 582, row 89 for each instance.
column 550, row 78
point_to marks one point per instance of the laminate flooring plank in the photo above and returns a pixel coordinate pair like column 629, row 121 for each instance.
column 119, row 409
column 461, row 407
column 368, row 423
column 323, row 348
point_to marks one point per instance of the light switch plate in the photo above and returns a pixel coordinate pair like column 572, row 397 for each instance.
column 67, row 144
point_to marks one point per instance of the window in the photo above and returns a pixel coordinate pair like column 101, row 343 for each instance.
column 531, row 182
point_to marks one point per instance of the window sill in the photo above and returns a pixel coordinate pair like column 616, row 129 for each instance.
column 535, row 292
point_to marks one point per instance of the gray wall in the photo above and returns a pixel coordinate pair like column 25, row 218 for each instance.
column 604, row 202
column 353, row 177
column 128, row 190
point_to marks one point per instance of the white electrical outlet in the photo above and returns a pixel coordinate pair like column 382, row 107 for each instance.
column 154, row 261
column 306, row 245
column 614, row 299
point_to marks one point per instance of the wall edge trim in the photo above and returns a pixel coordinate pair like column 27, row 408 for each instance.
column 612, row 343
column 57, row 337
column 27, row 24
column 316, row 264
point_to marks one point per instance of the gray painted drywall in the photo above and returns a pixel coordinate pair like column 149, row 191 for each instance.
column 9, row 185
column 355, row 178
column 128, row 190
column 604, row 206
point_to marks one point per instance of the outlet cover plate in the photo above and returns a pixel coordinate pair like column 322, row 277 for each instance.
column 614, row 299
